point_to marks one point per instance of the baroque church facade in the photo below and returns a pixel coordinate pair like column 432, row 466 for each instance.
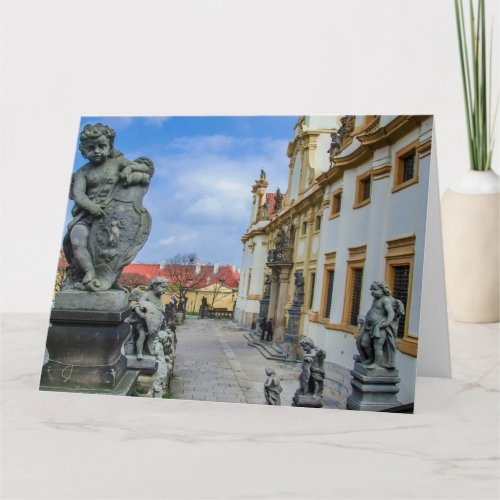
column 354, row 212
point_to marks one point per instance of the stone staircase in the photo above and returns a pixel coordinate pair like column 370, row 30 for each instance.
column 267, row 349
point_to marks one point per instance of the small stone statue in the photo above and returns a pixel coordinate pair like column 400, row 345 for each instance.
column 262, row 174
column 278, row 201
column 376, row 341
column 267, row 285
column 298, row 297
column 312, row 377
column 110, row 224
column 203, row 308
column 162, row 351
column 272, row 388
column 148, row 313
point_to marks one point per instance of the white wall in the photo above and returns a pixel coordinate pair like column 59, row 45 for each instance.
column 201, row 58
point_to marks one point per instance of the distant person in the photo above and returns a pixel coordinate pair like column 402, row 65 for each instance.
column 263, row 328
column 269, row 330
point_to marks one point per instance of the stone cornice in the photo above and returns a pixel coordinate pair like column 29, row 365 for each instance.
column 391, row 132
column 369, row 141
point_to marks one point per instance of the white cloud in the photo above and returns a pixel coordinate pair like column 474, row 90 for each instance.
column 156, row 121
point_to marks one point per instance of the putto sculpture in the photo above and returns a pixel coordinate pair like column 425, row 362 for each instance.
column 272, row 388
column 110, row 224
column 151, row 330
column 148, row 314
column 376, row 341
column 312, row 376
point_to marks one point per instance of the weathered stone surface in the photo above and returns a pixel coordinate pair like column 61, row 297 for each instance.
column 373, row 389
column 83, row 354
column 312, row 377
column 107, row 301
column 110, row 224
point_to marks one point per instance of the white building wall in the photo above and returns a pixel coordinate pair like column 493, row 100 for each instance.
column 387, row 216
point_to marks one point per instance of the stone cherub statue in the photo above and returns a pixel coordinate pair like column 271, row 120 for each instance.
column 312, row 376
column 278, row 201
column 376, row 341
column 148, row 314
column 110, row 224
column 272, row 388
column 162, row 350
column 298, row 297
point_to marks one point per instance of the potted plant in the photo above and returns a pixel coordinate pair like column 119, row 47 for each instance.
column 471, row 205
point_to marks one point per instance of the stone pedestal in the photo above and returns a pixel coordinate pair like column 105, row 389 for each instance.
column 85, row 343
column 291, row 345
column 373, row 390
column 264, row 307
column 307, row 401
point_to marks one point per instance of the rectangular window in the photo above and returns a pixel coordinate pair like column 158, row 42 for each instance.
column 336, row 203
column 354, row 287
column 409, row 167
column 317, row 223
column 304, row 227
column 400, row 284
column 329, row 292
column 356, row 295
column 248, row 283
column 363, row 189
column 399, row 276
column 406, row 167
column 328, row 282
column 311, row 296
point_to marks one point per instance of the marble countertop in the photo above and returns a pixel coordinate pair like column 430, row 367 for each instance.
column 56, row 445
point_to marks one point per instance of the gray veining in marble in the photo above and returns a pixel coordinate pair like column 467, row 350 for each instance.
column 57, row 445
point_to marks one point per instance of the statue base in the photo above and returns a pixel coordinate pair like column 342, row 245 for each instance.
column 291, row 347
column 291, row 339
column 146, row 365
column 307, row 401
column 373, row 390
column 85, row 345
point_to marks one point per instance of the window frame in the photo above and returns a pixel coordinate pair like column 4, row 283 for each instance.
column 335, row 209
column 401, row 251
column 356, row 260
column 329, row 265
column 361, row 180
column 400, row 156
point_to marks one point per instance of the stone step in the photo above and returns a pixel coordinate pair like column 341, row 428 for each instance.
column 268, row 350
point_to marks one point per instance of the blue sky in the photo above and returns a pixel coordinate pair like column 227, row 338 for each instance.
column 200, row 196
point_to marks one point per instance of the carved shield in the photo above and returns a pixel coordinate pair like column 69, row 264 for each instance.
column 117, row 236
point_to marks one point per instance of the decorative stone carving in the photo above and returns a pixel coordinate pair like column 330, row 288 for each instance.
column 148, row 315
column 163, row 351
column 110, row 224
column 278, row 201
column 311, row 379
column 153, row 338
column 203, row 308
column 298, row 297
column 375, row 377
column 341, row 137
column 272, row 388
column 376, row 341
column 264, row 302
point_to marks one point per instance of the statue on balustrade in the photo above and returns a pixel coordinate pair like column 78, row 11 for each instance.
column 110, row 225
column 148, row 315
column 312, row 376
column 272, row 388
column 376, row 341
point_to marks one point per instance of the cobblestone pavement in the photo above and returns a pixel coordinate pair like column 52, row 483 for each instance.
column 214, row 363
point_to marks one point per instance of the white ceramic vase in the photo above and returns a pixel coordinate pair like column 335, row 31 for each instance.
column 470, row 211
